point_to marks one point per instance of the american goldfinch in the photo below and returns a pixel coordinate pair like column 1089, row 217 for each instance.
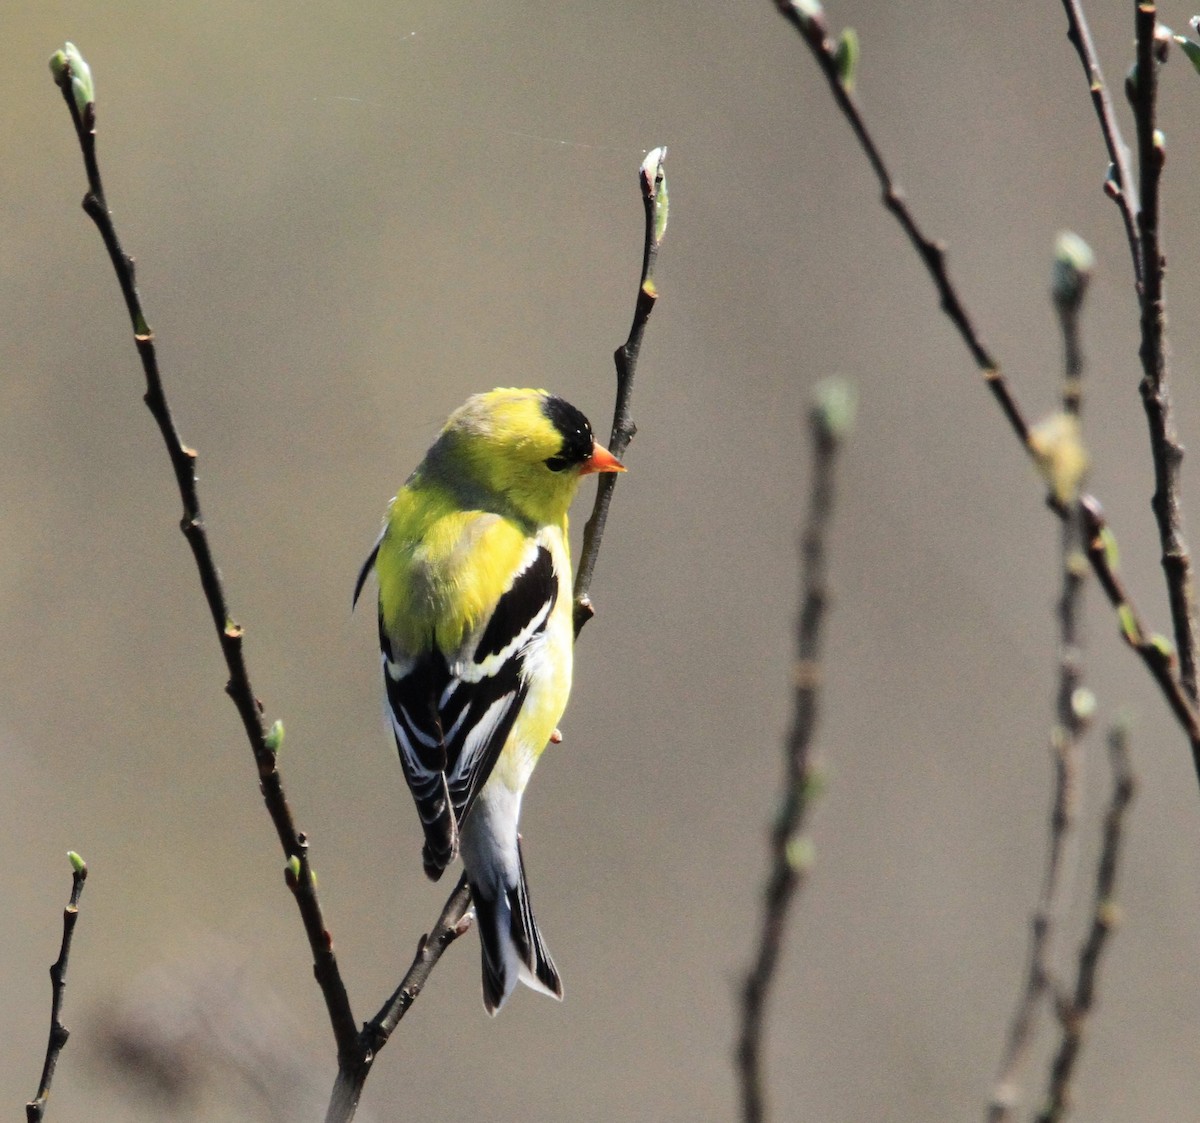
column 475, row 627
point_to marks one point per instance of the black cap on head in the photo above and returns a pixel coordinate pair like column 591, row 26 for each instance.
column 575, row 429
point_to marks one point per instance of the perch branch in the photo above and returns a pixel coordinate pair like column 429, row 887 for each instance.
column 452, row 923
column 36, row 1108
column 653, row 181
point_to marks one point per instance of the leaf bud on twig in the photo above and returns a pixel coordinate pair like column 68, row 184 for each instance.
column 1057, row 447
column 834, row 404
column 1073, row 263
column 68, row 66
column 654, row 186
column 1189, row 48
column 274, row 737
column 845, row 54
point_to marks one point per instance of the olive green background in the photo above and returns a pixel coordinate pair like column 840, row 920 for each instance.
column 349, row 217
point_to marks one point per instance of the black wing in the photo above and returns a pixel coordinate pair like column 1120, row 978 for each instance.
column 451, row 714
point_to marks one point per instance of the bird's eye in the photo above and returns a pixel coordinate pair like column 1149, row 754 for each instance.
column 557, row 463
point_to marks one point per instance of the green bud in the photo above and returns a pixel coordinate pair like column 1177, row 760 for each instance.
column 1189, row 48
column 800, row 853
column 1162, row 645
column 77, row 862
column 1073, row 264
column 1056, row 443
column 1083, row 703
column 834, row 404
column 845, row 56
column 655, row 188
column 58, row 68
column 274, row 738
column 661, row 208
column 83, row 89
column 1108, row 541
column 291, row 871
column 1128, row 624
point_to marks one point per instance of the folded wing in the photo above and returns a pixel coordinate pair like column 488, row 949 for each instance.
column 452, row 712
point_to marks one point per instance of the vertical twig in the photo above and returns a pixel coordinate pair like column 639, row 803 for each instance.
column 652, row 177
column 36, row 1108
column 1120, row 185
column 70, row 71
column 1074, row 1008
column 1165, row 448
column 790, row 850
column 1073, row 704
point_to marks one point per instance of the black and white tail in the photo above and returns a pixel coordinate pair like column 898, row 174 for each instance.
column 513, row 948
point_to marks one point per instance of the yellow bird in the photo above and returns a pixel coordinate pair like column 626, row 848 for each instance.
column 476, row 634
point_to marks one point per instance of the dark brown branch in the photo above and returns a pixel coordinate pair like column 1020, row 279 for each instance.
column 1121, row 186
column 789, row 849
column 652, row 177
column 229, row 634
column 1155, row 652
column 1165, row 448
column 814, row 33
column 1073, row 1009
column 36, row 1108
column 1160, row 663
column 452, row 923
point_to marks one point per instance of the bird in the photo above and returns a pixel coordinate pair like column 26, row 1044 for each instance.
column 476, row 638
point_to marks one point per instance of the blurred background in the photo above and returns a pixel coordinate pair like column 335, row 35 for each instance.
column 347, row 218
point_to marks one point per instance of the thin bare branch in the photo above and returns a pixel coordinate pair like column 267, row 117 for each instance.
column 813, row 31
column 790, row 851
column 1072, row 711
column 36, row 1108
column 1154, row 650
column 1165, row 448
column 453, row 921
column 1073, row 1009
column 652, row 177
column 229, row 633
column 1161, row 663
column 1120, row 186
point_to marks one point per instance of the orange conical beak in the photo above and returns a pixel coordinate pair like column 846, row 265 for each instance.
column 601, row 460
